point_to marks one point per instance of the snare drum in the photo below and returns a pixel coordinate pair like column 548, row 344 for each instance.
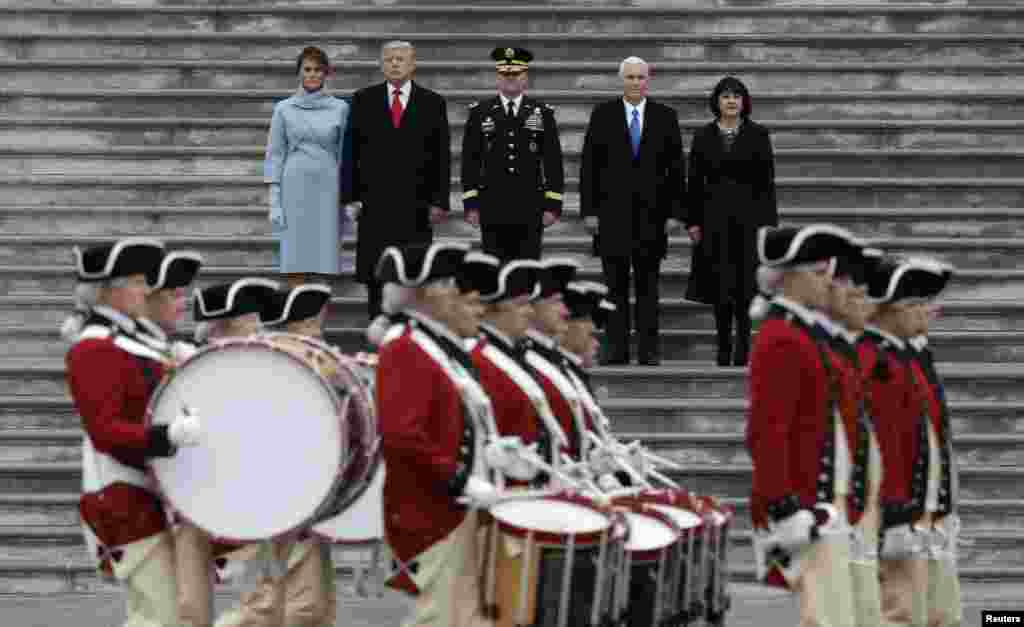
column 645, row 596
column 288, row 437
column 718, row 518
column 552, row 559
column 688, row 577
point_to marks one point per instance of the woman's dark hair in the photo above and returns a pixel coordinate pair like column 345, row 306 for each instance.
column 312, row 52
column 732, row 85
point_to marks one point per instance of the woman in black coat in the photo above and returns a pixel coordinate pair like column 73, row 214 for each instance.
column 731, row 194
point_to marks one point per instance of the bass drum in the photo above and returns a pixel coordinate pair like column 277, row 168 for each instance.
column 287, row 433
column 362, row 521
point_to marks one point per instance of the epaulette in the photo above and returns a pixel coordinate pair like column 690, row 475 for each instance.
column 394, row 332
column 473, row 105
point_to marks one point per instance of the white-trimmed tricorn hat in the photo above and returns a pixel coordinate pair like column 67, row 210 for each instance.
column 125, row 257
column 230, row 300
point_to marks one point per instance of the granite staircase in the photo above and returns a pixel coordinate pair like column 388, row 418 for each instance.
column 902, row 122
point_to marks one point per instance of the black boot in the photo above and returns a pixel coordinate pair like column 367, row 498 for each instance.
column 742, row 354
column 723, row 329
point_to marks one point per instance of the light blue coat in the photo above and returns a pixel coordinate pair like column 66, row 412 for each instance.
column 303, row 168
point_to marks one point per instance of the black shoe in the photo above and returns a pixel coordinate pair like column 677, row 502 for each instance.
column 724, row 357
column 740, row 359
column 649, row 360
column 615, row 361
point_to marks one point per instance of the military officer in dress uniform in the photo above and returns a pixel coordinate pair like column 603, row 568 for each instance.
column 431, row 416
column 798, row 443
column 940, row 521
column 305, row 594
column 512, row 176
column 900, row 401
column 111, row 376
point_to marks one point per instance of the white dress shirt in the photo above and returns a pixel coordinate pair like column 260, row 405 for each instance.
column 403, row 94
column 639, row 109
column 518, row 100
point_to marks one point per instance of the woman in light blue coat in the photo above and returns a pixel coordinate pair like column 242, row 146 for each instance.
column 303, row 168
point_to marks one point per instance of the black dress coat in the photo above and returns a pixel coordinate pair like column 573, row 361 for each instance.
column 731, row 194
column 632, row 198
column 397, row 173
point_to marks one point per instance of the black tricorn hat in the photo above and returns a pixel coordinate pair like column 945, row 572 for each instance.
column 177, row 269
column 125, row 257
column 519, row 277
column 555, row 275
column 230, row 300
column 511, row 58
column 583, row 298
column 895, row 280
column 415, row 265
column 791, row 246
column 930, row 276
column 299, row 303
column 478, row 273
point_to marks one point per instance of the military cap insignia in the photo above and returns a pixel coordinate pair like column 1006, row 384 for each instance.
column 510, row 53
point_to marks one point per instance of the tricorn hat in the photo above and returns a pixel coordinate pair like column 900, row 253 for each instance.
column 415, row 265
column 299, row 303
column 555, row 275
column 177, row 269
column 125, row 257
column 230, row 300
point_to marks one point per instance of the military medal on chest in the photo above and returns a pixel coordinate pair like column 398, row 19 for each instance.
column 487, row 125
column 535, row 122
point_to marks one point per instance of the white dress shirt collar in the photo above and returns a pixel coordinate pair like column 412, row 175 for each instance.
column 403, row 93
column 640, row 108
column 516, row 102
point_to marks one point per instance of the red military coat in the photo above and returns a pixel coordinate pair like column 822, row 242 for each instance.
column 427, row 441
column 110, row 376
column 502, row 377
column 928, row 383
column 897, row 404
column 790, row 428
column 563, row 397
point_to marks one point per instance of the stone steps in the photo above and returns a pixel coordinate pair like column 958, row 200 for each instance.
column 676, row 313
column 794, row 78
column 925, row 103
column 171, row 221
column 350, row 45
column 96, row 132
column 127, row 160
column 677, row 17
column 964, row 381
column 694, row 415
column 31, row 342
column 19, row 446
column 37, row 280
column 569, row 239
column 251, row 190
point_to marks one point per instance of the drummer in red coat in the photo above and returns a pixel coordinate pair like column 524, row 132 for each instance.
column 111, row 376
column 944, row 607
column 430, row 438
column 548, row 324
column 918, row 483
column 797, row 441
column 521, row 410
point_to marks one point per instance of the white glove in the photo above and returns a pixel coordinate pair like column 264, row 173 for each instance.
column 608, row 483
column 353, row 209
column 181, row 351
column 602, row 461
column 499, row 453
column 509, row 456
column 794, row 531
column 903, row 542
column 591, row 223
column 479, row 493
column 185, row 430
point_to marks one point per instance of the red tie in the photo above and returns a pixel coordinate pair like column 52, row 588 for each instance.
column 396, row 109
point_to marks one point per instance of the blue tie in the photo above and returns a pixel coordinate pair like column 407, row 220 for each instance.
column 634, row 133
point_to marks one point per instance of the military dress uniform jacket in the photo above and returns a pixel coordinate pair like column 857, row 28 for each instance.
column 512, row 168
column 791, row 427
column 428, row 441
column 111, row 376
column 898, row 405
column 928, row 382
column 562, row 394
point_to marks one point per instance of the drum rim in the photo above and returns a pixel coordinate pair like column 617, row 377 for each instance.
column 643, row 509
column 561, row 538
column 254, row 340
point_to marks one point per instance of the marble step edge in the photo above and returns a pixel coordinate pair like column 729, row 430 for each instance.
column 51, row 332
column 556, row 65
column 263, row 123
column 552, row 242
column 825, row 213
column 244, row 181
column 62, row 403
column 555, row 95
column 219, row 271
column 669, row 369
column 74, row 436
column 260, row 152
column 1009, row 473
column 821, row 39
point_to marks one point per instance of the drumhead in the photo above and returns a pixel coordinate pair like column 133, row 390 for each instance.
column 647, row 533
column 550, row 516
column 272, row 447
column 684, row 518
